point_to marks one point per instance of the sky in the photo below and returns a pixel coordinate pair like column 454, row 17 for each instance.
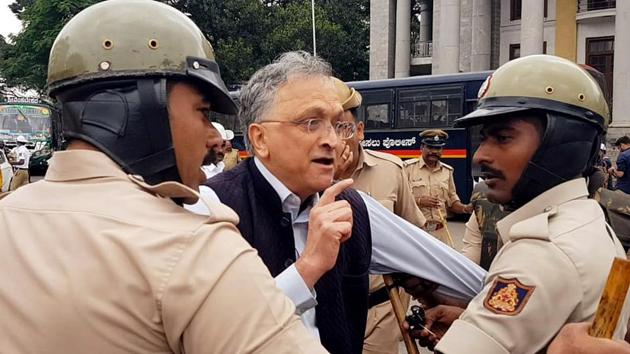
column 8, row 22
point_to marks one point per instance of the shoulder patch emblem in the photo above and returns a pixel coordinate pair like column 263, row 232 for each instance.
column 507, row 296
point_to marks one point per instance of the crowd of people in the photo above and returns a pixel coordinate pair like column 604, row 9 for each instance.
column 148, row 235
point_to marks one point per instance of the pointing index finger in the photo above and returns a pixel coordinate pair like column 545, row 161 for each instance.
column 331, row 192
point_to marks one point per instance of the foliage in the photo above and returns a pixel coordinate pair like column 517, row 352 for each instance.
column 246, row 35
column 24, row 62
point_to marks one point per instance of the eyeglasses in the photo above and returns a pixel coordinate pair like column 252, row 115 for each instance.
column 344, row 130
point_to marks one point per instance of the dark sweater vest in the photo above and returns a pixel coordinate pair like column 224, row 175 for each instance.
column 341, row 311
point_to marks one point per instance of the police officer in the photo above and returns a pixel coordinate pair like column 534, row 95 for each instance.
column 433, row 185
column 381, row 176
column 100, row 256
column 21, row 157
column 232, row 157
column 536, row 111
column 481, row 240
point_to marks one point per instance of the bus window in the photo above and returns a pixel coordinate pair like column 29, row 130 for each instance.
column 413, row 114
column 439, row 113
column 454, row 109
column 377, row 116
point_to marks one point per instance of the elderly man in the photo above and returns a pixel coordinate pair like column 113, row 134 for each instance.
column 433, row 185
column 320, row 248
column 557, row 249
column 381, row 176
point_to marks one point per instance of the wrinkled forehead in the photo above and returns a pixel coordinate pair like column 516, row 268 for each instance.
column 303, row 90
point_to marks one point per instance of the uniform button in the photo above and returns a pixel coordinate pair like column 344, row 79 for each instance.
column 547, row 209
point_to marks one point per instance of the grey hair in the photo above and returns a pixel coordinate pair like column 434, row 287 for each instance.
column 257, row 96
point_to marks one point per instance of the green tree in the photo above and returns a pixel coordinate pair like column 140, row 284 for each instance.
column 246, row 35
column 24, row 62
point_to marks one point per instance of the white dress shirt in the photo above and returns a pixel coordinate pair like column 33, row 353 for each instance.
column 397, row 246
column 212, row 170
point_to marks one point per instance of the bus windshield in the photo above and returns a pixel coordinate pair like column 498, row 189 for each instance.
column 31, row 121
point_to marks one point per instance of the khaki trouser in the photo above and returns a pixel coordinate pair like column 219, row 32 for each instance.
column 20, row 178
column 382, row 334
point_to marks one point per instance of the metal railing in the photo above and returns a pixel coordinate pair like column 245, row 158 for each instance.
column 422, row 49
column 592, row 5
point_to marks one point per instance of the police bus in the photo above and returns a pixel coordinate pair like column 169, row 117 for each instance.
column 34, row 119
column 395, row 111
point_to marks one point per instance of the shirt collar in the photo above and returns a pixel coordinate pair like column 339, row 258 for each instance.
column 365, row 159
column 545, row 204
column 290, row 201
column 72, row 165
column 423, row 164
column 75, row 165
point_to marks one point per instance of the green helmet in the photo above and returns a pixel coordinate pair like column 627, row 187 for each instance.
column 541, row 82
column 119, row 39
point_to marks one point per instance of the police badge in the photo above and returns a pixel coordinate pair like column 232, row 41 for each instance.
column 507, row 296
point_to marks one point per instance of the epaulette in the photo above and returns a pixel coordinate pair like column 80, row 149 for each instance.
column 385, row 156
column 411, row 161
column 447, row 166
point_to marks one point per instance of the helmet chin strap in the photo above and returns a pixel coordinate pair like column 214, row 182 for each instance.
column 127, row 120
column 568, row 148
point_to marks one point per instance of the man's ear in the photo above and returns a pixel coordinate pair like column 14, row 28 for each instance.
column 360, row 131
column 258, row 140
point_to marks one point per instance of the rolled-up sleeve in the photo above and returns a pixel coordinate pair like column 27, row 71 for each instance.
column 398, row 246
column 472, row 240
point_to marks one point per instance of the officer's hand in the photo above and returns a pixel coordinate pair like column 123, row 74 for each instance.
column 428, row 201
column 329, row 225
column 343, row 160
column 424, row 291
column 439, row 319
column 574, row 338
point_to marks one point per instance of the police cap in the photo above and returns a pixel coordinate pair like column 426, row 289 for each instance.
column 434, row 137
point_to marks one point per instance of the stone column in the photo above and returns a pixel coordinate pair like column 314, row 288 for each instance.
column 481, row 35
column 566, row 29
column 403, row 38
column 621, row 73
column 426, row 17
column 532, row 22
column 382, row 37
column 449, row 37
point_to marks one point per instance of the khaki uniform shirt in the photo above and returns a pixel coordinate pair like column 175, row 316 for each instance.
column 381, row 175
column 96, row 261
column 231, row 159
column 437, row 182
column 551, row 270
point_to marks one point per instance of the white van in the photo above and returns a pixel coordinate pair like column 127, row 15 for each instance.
column 6, row 172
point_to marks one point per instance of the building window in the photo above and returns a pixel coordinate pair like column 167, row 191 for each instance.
column 516, row 6
column 515, row 50
column 600, row 54
column 592, row 5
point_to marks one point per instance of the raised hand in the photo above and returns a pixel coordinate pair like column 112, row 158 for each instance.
column 330, row 224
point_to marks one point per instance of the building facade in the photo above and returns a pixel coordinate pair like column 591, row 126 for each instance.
column 421, row 37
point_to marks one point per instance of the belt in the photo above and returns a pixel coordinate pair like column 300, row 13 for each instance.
column 23, row 169
column 378, row 297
